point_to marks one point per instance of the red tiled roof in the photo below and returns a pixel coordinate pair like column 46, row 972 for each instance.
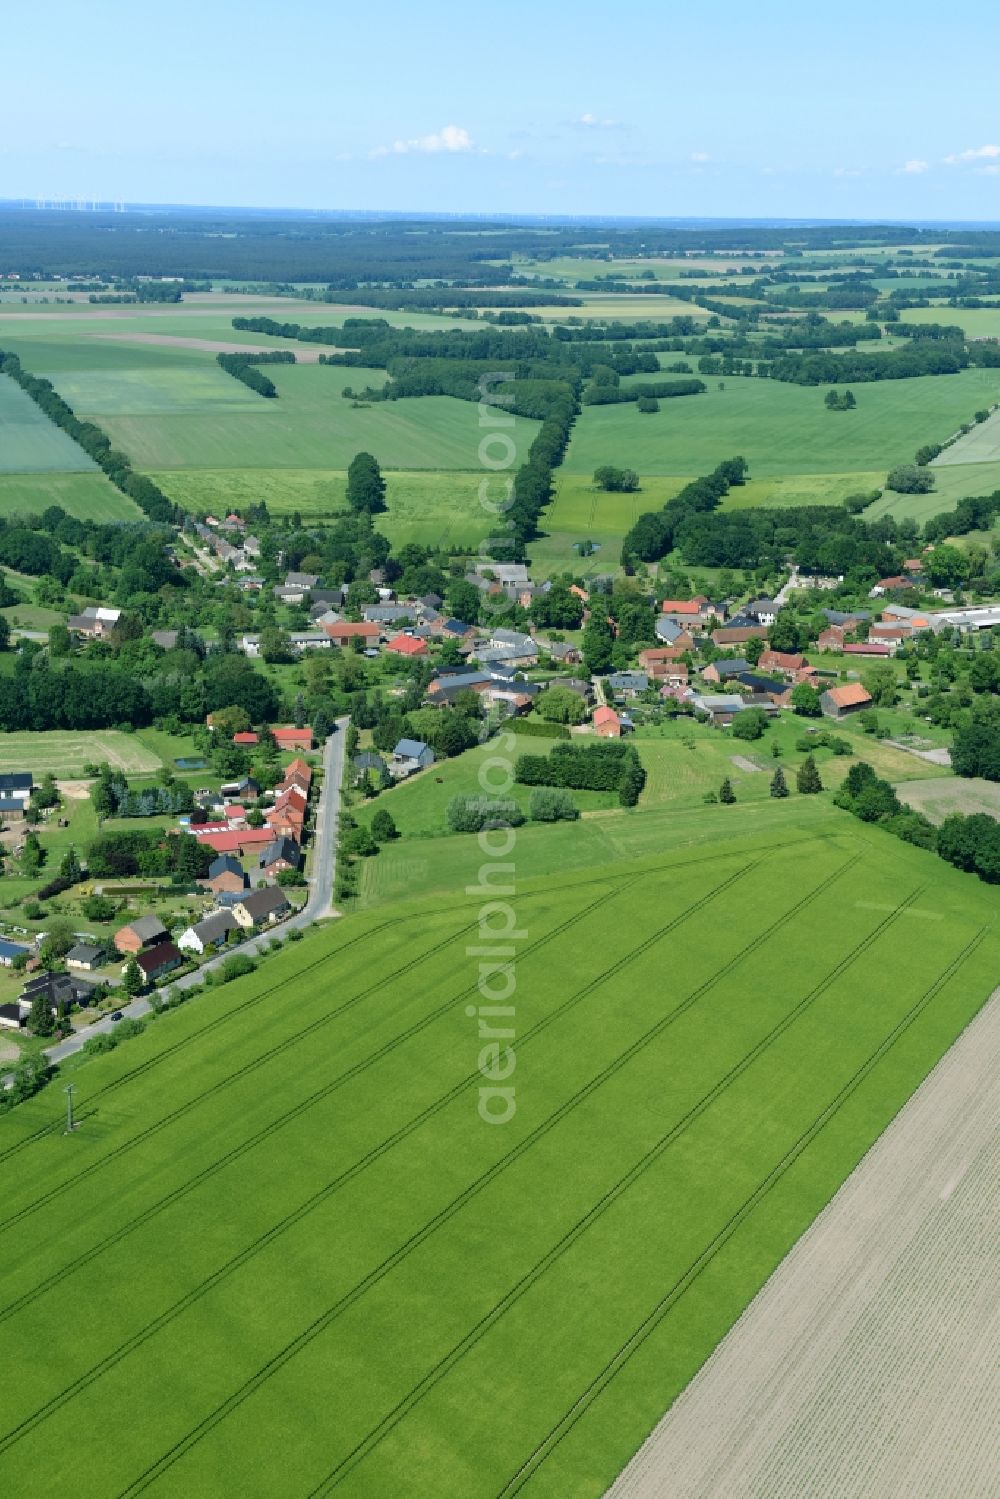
column 849, row 696
column 605, row 715
column 869, row 648
column 681, row 606
column 407, row 645
column 345, row 630
column 245, row 739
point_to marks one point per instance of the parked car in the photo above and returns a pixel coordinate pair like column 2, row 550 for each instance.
column 117, row 1015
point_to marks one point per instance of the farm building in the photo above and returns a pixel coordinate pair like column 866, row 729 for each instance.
column 607, row 724
column 12, row 1018
column 139, row 934
column 839, row 702
column 344, row 631
column 291, row 738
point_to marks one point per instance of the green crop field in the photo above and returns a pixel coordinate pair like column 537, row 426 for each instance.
column 781, row 429
column 285, row 1255
column 439, row 509
column 310, row 425
column 89, row 496
column 65, row 753
column 29, row 442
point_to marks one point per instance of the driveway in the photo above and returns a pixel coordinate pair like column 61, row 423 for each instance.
column 318, row 904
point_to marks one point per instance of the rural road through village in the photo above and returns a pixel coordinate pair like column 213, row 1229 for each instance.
column 319, row 903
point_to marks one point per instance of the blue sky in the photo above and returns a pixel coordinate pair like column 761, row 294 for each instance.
column 881, row 109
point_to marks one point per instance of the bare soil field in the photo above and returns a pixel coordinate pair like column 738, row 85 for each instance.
column 866, row 1367
column 211, row 345
column 938, row 799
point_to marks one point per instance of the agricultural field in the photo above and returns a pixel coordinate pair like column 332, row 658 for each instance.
column 902, row 1259
column 938, row 799
column 438, row 509
column 681, row 1118
column 90, row 496
column 64, row 753
column 781, row 429
column 29, row 442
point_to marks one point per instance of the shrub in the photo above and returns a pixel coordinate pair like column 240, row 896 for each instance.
column 472, row 814
column 236, row 967
column 550, row 805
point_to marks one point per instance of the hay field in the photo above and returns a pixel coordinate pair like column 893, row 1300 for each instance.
column 29, row 442
column 64, row 753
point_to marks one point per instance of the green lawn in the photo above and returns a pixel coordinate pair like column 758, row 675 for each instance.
column 283, row 1208
column 29, row 442
column 781, row 429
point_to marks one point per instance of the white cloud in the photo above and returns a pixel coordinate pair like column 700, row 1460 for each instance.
column 993, row 171
column 596, row 122
column 450, row 139
column 846, row 172
column 915, row 166
column 978, row 153
column 700, row 156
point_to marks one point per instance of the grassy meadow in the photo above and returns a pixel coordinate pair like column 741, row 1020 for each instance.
column 314, row 1156
column 90, row 496
column 780, row 429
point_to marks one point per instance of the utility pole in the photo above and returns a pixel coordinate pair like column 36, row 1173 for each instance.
column 70, row 1126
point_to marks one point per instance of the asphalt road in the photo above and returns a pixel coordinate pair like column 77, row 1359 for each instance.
column 319, row 903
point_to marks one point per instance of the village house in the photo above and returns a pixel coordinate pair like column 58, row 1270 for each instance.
column 721, row 670
column 261, row 907
column 673, row 635
column 226, row 840
column 140, row 933
column 409, row 756
column 761, row 611
column 892, row 636
column 297, row 773
column 225, row 873
column 212, row 932
column 12, row 1017
column 789, row 663
column 407, row 645
column 628, row 683
column 86, row 957
column 562, row 651
column 156, row 962
column 278, row 857
column 607, row 724
column 840, row 702
column 896, row 584
column 95, row 622
column 61, row 991
column 15, row 794
column 165, row 639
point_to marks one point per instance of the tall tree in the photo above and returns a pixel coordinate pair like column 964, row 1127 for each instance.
column 365, row 485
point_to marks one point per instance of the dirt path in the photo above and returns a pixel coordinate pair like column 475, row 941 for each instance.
column 866, row 1368
column 742, row 763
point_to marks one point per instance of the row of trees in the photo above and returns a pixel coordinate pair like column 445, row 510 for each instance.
column 94, row 442
column 971, row 843
column 608, row 765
